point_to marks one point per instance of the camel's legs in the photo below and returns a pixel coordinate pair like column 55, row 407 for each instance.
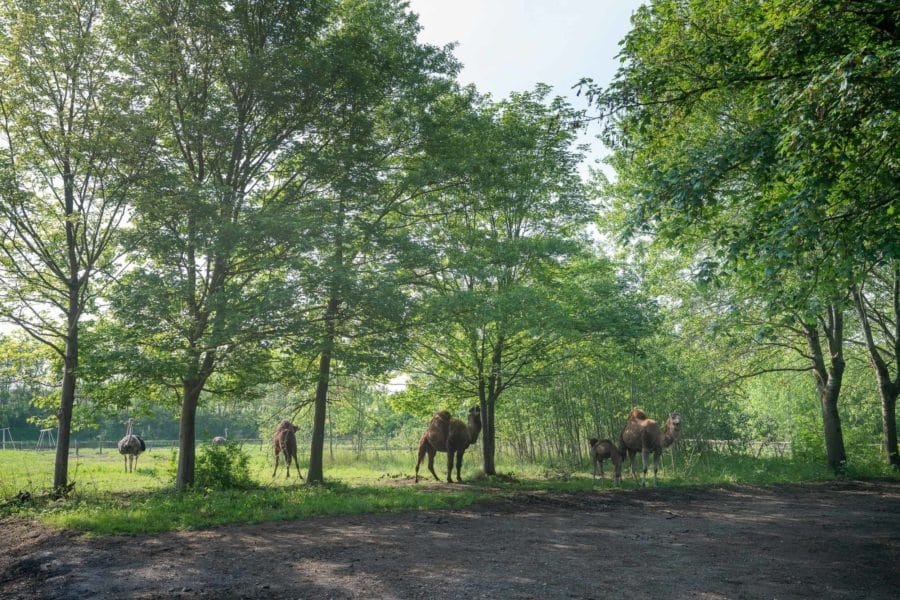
column 656, row 457
column 450, row 455
column 425, row 448
column 459, row 456
column 431, row 453
column 645, row 454
column 297, row 464
column 276, row 465
column 631, row 456
column 602, row 474
column 419, row 459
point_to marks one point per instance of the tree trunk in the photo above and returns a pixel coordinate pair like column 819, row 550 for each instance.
column 66, row 404
column 487, row 435
column 829, row 378
column 186, row 435
column 834, row 438
column 315, row 472
column 73, row 313
column 887, row 388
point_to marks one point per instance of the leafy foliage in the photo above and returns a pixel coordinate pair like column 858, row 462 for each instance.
column 223, row 466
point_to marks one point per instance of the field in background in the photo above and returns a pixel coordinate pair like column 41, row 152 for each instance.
column 107, row 500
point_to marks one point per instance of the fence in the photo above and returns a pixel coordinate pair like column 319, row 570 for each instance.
column 539, row 453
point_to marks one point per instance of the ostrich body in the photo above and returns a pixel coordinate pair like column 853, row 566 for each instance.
column 130, row 447
column 445, row 434
column 285, row 442
column 220, row 439
column 644, row 435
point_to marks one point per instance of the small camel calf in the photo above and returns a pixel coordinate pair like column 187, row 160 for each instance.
column 600, row 451
column 285, row 441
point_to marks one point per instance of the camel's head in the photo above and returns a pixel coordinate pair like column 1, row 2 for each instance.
column 674, row 421
column 287, row 425
column 593, row 442
column 475, row 413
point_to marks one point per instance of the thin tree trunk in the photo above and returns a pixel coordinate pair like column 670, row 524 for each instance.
column 316, row 472
column 70, row 361
column 66, row 405
column 887, row 388
column 829, row 378
column 187, row 434
column 488, row 436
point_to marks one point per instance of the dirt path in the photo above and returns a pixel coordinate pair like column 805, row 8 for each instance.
column 831, row 540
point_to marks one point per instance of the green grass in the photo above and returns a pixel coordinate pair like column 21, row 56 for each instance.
column 106, row 500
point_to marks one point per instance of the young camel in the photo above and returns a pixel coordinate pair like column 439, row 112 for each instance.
column 644, row 435
column 600, row 451
column 285, row 441
column 445, row 434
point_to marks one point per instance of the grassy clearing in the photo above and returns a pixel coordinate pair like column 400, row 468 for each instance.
column 107, row 500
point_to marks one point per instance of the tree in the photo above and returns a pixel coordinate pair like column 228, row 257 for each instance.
column 877, row 301
column 235, row 87
column 361, row 161
column 73, row 151
column 490, row 317
column 759, row 139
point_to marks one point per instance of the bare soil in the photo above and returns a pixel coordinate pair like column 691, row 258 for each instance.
column 825, row 540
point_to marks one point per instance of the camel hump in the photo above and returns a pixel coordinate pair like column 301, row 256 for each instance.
column 637, row 414
column 443, row 415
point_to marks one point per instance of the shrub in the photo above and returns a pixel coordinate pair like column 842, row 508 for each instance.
column 224, row 466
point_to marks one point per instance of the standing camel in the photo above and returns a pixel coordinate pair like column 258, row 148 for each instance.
column 285, row 441
column 445, row 434
column 644, row 435
column 130, row 447
column 600, row 451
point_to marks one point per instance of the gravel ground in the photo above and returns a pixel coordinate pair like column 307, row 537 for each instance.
column 825, row 540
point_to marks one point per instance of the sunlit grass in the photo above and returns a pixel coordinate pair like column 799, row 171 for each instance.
column 108, row 500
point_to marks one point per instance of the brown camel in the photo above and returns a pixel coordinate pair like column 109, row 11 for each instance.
column 445, row 434
column 600, row 451
column 285, row 441
column 644, row 435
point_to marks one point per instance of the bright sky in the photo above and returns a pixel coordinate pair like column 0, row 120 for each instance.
column 509, row 45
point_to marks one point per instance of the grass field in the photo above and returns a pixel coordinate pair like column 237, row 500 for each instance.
column 108, row 500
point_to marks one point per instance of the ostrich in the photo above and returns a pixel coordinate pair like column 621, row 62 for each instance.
column 600, row 451
column 452, row 436
column 130, row 447
column 285, row 441
column 220, row 439
column 644, row 435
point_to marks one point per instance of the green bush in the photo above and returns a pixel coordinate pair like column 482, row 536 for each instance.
column 224, row 466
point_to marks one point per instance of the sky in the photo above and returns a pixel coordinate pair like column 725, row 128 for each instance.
column 510, row 45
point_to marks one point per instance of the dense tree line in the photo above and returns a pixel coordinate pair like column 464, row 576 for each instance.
column 759, row 140
column 212, row 204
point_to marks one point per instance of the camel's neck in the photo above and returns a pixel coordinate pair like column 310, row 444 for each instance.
column 473, row 429
column 670, row 437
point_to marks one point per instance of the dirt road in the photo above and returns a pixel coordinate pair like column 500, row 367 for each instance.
column 829, row 540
